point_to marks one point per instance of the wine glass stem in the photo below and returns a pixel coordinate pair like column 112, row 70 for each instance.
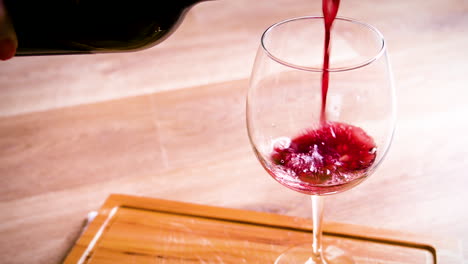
column 317, row 216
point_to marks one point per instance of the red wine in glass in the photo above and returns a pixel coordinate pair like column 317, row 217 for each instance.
column 325, row 160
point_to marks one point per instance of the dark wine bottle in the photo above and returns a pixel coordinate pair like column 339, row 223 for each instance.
column 49, row 27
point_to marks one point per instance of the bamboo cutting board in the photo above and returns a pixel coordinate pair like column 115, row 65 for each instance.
column 131, row 229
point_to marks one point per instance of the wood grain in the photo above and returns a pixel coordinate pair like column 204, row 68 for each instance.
column 132, row 229
column 169, row 123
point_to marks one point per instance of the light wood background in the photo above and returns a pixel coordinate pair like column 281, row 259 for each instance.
column 169, row 123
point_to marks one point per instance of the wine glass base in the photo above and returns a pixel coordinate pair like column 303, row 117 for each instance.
column 302, row 254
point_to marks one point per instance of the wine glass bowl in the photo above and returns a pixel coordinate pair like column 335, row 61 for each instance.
column 284, row 99
column 293, row 142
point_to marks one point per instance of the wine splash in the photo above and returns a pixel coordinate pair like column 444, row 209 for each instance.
column 330, row 156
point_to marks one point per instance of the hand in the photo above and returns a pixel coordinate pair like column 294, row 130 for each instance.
column 8, row 40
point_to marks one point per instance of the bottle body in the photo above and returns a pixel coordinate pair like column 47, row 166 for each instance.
column 92, row 26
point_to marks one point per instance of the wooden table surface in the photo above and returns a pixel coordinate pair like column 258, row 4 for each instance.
column 169, row 123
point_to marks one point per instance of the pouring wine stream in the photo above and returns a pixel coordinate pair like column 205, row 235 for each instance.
column 330, row 10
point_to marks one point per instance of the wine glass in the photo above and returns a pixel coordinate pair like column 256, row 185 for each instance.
column 291, row 139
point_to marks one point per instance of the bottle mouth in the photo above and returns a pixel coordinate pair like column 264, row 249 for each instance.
column 362, row 63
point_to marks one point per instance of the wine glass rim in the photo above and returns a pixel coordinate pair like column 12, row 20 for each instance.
column 315, row 69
